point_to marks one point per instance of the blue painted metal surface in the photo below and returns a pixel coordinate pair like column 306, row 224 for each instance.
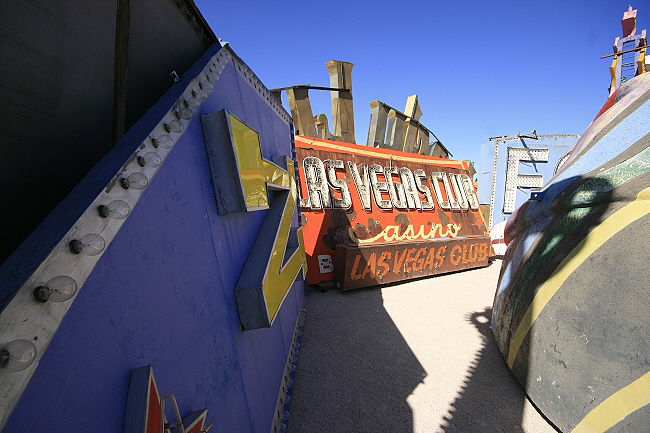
column 163, row 293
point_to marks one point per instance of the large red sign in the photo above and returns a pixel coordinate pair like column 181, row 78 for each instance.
column 357, row 196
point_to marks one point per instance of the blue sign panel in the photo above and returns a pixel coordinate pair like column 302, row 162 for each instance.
column 137, row 271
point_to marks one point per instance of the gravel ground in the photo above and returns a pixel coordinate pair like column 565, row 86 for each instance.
column 416, row 357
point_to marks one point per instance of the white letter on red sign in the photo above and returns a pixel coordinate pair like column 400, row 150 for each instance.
column 318, row 192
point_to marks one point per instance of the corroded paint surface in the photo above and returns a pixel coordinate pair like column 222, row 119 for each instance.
column 369, row 265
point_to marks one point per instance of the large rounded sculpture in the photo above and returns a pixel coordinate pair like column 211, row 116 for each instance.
column 571, row 314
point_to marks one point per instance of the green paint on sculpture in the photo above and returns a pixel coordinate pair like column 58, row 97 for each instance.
column 586, row 200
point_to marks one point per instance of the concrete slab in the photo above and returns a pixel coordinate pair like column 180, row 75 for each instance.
column 413, row 357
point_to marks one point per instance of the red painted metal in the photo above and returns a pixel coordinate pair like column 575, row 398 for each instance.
column 369, row 265
column 327, row 230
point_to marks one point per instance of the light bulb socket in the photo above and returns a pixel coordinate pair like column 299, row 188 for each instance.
column 76, row 246
column 199, row 95
column 42, row 294
column 141, row 161
column 164, row 141
column 185, row 113
column 17, row 355
column 136, row 181
column 192, row 103
column 174, row 125
column 102, row 210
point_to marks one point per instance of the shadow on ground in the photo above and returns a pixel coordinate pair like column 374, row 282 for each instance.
column 490, row 399
column 366, row 369
column 357, row 373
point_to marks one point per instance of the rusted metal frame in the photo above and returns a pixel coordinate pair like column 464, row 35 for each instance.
column 121, row 69
column 378, row 121
column 410, row 136
column 307, row 86
column 301, row 112
column 532, row 135
column 438, row 142
column 204, row 24
column 401, row 114
column 626, row 51
column 342, row 107
column 395, row 131
column 441, row 145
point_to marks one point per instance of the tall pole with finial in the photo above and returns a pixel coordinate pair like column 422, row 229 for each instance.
column 629, row 58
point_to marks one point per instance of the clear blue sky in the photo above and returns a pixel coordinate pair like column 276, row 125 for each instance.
column 480, row 68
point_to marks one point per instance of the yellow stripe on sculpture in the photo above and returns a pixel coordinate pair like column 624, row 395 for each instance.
column 594, row 240
column 616, row 407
